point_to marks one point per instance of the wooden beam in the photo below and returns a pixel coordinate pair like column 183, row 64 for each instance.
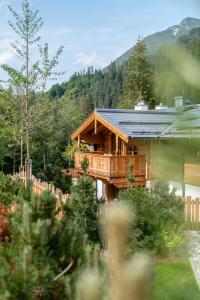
column 117, row 145
column 110, row 143
column 92, row 139
column 95, row 126
column 112, row 128
column 79, row 141
column 83, row 126
column 124, row 148
column 101, row 128
column 101, row 120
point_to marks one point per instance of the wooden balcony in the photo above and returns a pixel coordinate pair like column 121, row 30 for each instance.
column 112, row 168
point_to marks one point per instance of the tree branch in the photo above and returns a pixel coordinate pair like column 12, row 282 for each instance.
column 65, row 270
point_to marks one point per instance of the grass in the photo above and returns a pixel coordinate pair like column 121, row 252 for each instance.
column 174, row 280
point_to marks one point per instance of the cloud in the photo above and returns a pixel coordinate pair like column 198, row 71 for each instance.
column 93, row 58
column 5, row 56
column 4, row 3
column 5, row 52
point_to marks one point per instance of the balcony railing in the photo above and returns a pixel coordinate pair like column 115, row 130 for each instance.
column 110, row 166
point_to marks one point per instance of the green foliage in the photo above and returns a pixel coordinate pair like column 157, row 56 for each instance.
column 159, row 219
column 26, row 85
column 172, row 76
column 84, row 206
column 174, row 239
column 138, row 82
column 160, row 76
column 10, row 191
column 26, row 269
column 71, row 149
column 93, row 88
column 174, row 280
column 57, row 91
column 84, row 165
column 40, row 248
column 63, row 183
column 131, row 178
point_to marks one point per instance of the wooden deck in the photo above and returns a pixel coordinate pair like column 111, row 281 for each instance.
column 113, row 168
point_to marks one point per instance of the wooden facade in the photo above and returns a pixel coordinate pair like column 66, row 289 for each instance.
column 116, row 139
column 110, row 154
column 113, row 168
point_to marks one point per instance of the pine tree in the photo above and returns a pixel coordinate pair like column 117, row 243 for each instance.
column 38, row 249
column 84, row 206
column 138, row 82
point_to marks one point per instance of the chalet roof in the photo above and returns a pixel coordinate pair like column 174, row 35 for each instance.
column 151, row 124
column 140, row 124
column 187, row 126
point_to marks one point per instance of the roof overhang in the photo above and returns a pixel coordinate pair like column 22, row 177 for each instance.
column 95, row 116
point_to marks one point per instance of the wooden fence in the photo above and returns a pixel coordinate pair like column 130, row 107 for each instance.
column 191, row 209
column 39, row 186
column 192, row 213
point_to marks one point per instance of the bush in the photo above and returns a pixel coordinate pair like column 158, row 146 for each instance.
column 84, row 207
column 159, row 219
column 63, row 183
column 40, row 248
column 10, row 191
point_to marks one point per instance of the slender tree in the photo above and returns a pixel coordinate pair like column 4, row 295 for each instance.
column 28, row 83
column 138, row 82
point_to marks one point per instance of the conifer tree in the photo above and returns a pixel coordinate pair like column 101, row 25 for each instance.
column 84, row 206
column 138, row 82
column 39, row 250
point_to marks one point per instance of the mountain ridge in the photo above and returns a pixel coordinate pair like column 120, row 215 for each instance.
column 165, row 37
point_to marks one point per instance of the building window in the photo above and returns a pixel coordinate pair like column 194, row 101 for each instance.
column 133, row 150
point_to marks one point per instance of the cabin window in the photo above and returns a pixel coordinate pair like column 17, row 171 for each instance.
column 133, row 150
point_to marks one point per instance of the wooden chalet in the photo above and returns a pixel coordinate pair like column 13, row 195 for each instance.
column 157, row 143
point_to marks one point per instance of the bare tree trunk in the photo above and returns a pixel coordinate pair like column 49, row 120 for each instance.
column 26, row 101
column 21, row 153
column 28, row 161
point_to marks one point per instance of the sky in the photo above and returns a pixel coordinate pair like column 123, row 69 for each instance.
column 95, row 32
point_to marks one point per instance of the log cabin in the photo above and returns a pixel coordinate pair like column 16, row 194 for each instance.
column 162, row 143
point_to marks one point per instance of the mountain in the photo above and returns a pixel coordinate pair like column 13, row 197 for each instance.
column 103, row 88
column 170, row 35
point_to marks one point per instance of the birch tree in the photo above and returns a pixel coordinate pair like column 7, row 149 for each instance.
column 28, row 82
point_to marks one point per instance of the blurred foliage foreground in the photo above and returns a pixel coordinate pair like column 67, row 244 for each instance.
column 80, row 257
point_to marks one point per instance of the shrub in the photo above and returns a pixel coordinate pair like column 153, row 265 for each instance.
column 157, row 211
column 63, row 183
column 40, row 248
column 84, row 207
column 10, row 191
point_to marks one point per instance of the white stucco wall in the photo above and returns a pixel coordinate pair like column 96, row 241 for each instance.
column 177, row 186
column 192, row 191
column 100, row 189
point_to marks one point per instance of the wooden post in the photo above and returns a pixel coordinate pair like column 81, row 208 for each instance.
column 124, row 148
column 117, row 145
column 95, row 126
column 110, row 143
column 79, row 141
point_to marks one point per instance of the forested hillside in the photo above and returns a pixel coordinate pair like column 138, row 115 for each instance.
column 103, row 88
column 93, row 88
